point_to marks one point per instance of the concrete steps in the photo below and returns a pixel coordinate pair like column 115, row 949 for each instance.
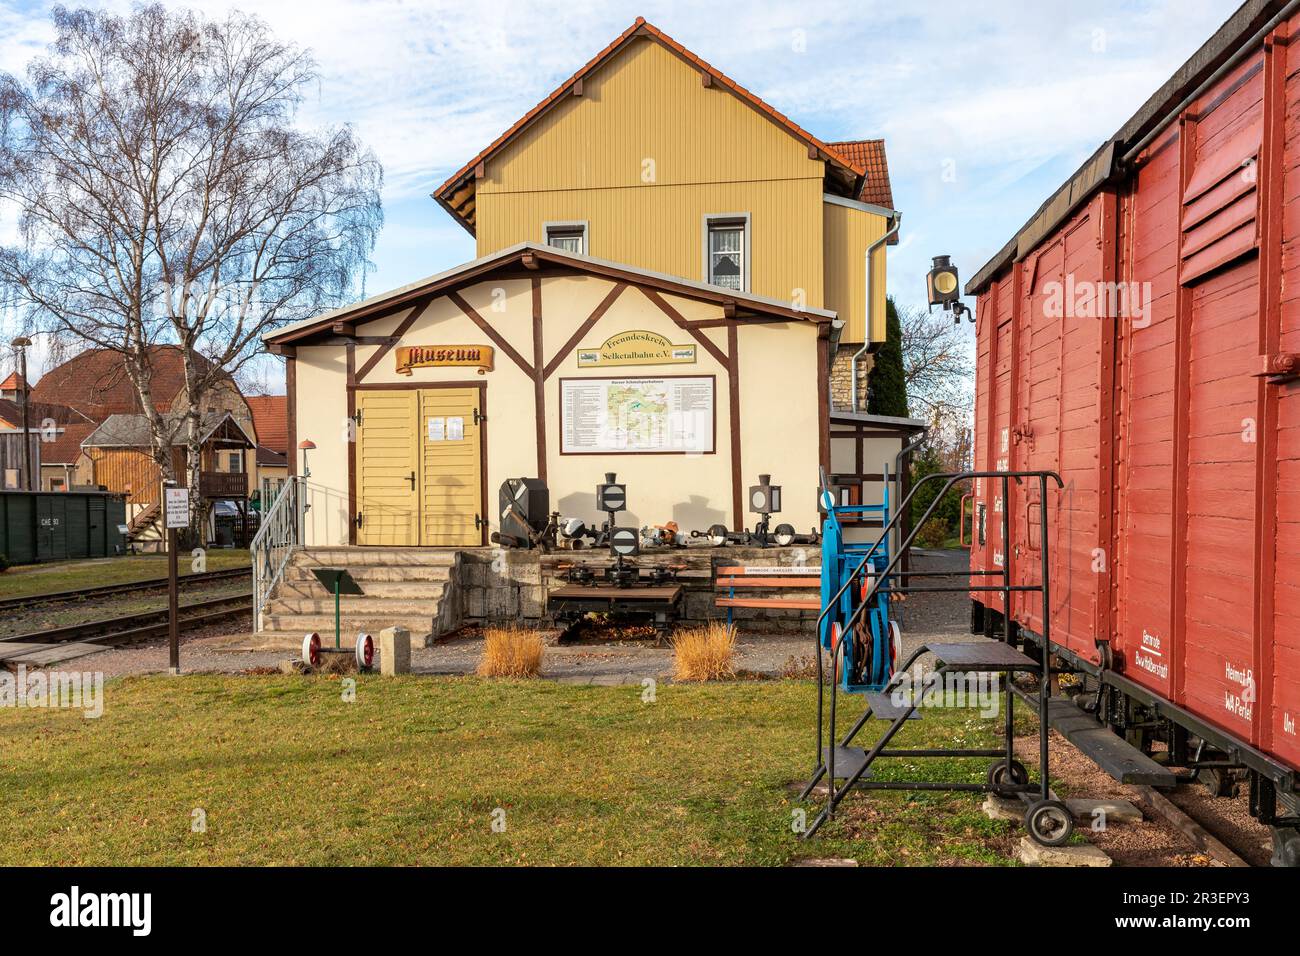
column 422, row 590
column 356, row 605
column 377, row 557
column 417, row 588
column 420, row 625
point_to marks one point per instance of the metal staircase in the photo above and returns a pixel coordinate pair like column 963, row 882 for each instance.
column 848, row 629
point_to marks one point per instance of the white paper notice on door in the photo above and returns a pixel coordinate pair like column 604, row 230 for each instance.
column 455, row 428
column 437, row 429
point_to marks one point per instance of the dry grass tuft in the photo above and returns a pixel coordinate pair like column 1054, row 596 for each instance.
column 511, row 652
column 704, row 653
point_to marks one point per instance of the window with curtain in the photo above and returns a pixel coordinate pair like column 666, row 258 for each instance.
column 727, row 253
column 569, row 238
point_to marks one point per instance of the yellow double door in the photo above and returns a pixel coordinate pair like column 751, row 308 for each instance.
column 419, row 467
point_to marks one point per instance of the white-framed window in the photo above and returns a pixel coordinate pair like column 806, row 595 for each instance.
column 236, row 462
column 726, row 251
column 569, row 236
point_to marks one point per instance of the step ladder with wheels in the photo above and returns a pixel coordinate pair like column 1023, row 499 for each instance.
column 849, row 632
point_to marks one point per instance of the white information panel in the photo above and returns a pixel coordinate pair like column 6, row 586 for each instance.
column 177, row 510
column 646, row 415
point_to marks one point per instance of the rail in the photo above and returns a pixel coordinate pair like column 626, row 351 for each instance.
column 274, row 543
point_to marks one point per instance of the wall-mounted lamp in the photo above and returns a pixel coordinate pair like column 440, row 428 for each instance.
column 305, row 446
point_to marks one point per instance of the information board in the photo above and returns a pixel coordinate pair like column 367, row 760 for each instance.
column 674, row 414
column 177, row 510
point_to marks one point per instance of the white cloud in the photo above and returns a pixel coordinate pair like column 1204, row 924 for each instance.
column 1013, row 91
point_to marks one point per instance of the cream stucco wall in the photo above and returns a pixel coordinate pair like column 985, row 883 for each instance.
column 778, row 404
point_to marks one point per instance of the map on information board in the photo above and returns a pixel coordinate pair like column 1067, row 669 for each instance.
column 648, row 415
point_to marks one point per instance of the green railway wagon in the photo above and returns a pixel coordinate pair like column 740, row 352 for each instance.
column 58, row 525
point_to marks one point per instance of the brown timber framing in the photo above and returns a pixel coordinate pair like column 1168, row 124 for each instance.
column 352, row 442
column 291, row 412
column 497, row 338
column 539, row 380
column 733, row 391
column 583, row 329
column 538, row 264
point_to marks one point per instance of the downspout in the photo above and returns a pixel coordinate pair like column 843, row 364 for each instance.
column 895, row 221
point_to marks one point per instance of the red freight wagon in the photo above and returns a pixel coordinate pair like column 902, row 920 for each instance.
column 1141, row 336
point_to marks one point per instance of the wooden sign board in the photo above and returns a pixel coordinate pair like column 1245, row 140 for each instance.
column 636, row 347
column 443, row 356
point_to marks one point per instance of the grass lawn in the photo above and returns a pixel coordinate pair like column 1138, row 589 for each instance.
column 25, row 579
column 412, row 771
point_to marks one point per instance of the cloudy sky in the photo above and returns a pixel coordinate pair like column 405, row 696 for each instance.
column 986, row 107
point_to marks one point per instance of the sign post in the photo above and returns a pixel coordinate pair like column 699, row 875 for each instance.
column 176, row 514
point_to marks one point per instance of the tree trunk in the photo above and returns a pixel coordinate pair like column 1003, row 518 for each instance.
column 194, row 468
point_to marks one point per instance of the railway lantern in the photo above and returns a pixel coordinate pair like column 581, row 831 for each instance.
column 623, row 542
column 611, row 497
column 765, row 497
column 943, row 287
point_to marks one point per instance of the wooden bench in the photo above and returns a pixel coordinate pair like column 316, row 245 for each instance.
column 733, row 578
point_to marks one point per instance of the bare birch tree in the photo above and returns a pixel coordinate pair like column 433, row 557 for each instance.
column 165, row 195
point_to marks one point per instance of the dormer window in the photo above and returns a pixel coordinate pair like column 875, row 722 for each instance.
column 727, row 252
column 569, row 236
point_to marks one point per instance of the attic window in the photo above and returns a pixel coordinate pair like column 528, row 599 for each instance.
column 727, row 252
column 569, row 236
column 1221, row 206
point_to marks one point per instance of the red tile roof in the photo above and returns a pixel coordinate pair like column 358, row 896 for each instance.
column 870, row 155
column 641, row 28
column 12, row 384
column 66, row 447
column 11, row 414
column 95, row 383
column 271, row 420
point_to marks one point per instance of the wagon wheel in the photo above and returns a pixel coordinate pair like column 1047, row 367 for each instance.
column 1049, row 822
column 311, row 649
column 365, row 651
column 999, row 777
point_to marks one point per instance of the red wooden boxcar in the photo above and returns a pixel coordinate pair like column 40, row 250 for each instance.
column 1141, row 336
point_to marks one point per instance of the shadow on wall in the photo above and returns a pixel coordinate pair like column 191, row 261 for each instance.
column 696, row 515
column 326, row 520
column 583, row 505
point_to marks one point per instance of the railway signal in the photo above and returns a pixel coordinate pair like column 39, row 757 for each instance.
column 943, row 286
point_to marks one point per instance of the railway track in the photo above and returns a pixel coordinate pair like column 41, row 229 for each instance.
column 107, row 590
column 130, row 628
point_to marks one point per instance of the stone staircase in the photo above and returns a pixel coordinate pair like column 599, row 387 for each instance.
column 417, row 588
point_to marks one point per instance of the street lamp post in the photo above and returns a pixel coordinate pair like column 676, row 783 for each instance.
column 20, row 345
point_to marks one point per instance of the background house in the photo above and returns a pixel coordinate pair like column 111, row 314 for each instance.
column 89, row 430
column 271, row 466
column 120, row 455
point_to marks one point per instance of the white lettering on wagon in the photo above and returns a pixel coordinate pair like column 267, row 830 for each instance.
column 1288, row 723
column 1239, row 704
column 1150, row 656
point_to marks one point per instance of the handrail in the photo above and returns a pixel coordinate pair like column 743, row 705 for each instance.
column 836, row 648
column 280, row 533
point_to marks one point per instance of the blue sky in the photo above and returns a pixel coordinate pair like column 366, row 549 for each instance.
column 985, row 107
